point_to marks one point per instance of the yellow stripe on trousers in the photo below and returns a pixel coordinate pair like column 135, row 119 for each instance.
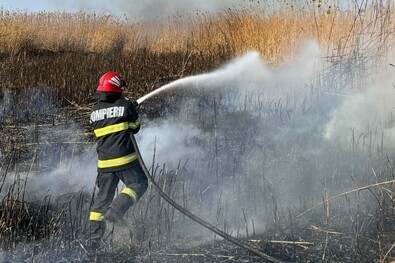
column 117, row 161
column 96, row 216
column 130, row 192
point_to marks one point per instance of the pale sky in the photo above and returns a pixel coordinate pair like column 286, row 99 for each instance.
column 144, row 8
column 131, row 8
column 32, row 6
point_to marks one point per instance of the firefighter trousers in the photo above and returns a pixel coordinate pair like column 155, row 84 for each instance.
column 136, row 184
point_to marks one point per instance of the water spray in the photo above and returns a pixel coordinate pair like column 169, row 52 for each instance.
column 181, row 209
column 244, row 66
column 171, row 85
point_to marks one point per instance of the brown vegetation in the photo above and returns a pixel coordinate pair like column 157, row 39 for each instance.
column 67, row 52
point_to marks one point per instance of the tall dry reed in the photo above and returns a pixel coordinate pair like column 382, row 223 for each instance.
column 68, row 52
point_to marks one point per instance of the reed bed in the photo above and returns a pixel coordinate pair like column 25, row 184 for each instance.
column 274, row 34
column 68, row 52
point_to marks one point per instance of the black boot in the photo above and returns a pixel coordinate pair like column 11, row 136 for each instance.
column 92, row 235
column 112, row 216
column 118, row 208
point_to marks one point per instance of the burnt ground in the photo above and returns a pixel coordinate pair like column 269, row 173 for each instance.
column 35, row 236
column 306, row 242
column 311, row 244
column 299, row 241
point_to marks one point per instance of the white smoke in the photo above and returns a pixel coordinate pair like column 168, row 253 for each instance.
column 295, row 148
column 248, row 75
column 73, row 175
column 172, row 139
column 61, row 163
column 150, row 8
column 169, row 142
column 370, row 110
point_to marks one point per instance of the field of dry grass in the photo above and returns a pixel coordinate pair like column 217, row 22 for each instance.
column 231, row 31
column 68, row 52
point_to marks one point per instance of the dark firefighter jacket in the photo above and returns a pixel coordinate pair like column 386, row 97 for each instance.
column 113, row 118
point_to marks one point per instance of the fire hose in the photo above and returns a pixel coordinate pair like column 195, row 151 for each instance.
column 195, row 218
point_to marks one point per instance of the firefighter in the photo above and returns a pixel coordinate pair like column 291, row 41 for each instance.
column 114, row 119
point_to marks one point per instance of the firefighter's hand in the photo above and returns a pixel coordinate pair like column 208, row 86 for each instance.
column 135, row 103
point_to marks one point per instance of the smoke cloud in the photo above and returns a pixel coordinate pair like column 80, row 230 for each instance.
column 151, row 8
column 229, row 121
column 247, row 135
column 61, row 163
column 71, row 175
column 271, row 131
column 367, row 111
column 245, row 78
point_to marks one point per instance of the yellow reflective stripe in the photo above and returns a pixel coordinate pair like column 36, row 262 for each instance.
column 135, row 124
column 116, row 128
column 117, row 161
column 111, row 129
column 131, row 193
column 96, row 216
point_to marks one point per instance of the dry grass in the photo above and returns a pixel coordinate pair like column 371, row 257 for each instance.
column 68, row 52
column 232, row 31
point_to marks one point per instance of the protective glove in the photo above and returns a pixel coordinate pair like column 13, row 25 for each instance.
column 135, row 103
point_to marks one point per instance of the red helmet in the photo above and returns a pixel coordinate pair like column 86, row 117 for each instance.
column 111, row 82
